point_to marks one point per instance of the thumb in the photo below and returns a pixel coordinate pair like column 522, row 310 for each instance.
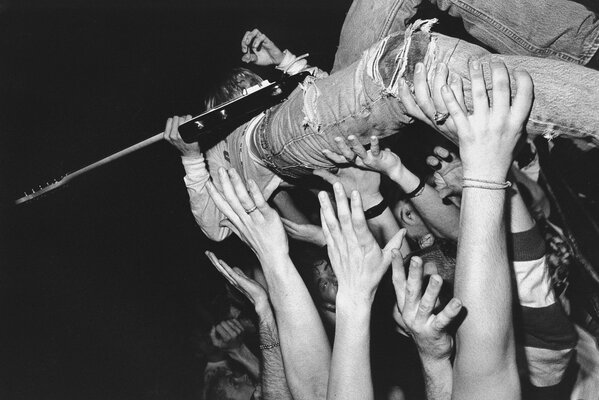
column 394, row 244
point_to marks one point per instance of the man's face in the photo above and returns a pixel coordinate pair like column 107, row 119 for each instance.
column 238, row 387
column 326, row 284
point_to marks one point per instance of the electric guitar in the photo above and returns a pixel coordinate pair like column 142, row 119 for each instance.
column 253, row 101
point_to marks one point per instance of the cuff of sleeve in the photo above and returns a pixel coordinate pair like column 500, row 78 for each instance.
column 195, row 170
column 291, row 64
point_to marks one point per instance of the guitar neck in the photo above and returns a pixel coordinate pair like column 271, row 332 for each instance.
column 72, row 175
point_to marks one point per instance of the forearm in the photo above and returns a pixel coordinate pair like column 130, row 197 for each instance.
column 304, row 344
column 520, row 218
column 438, row 379
column 350, row 376
column 274, row 383
column 442, row 218
column 485, row 341
column 204, row 211
column 245, row 357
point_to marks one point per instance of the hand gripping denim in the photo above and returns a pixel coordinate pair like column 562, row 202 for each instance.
column 362, row 98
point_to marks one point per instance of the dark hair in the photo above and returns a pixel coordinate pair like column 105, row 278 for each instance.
column 215, row 389
column 230, row 86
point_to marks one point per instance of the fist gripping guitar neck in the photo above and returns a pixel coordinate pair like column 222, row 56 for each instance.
column 254, row 100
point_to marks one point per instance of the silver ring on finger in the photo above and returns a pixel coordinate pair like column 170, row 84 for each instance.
column 440, row 118
column 251, row 210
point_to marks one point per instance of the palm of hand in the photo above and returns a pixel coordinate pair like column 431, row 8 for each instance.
column 450, row 176
column 366, row 182
column 385, row 162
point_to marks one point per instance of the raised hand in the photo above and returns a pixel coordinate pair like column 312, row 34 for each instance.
column 250, row 216
column 415, row 311
column 426, row 104
column 258, row 49
column 357, row 260
column 352, row 178
column 375, row 159
column 304, row 232
column 172, row 135
column 251, row 289
column 448, row 174
column 488, row 136
column 227, row 335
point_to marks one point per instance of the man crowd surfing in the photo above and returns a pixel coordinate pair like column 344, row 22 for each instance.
column 379, row 278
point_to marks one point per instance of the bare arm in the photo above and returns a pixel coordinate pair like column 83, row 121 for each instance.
column 443, row 219
column 304, row 344
column 274, row 383
column 485, row 365
column 359, row 264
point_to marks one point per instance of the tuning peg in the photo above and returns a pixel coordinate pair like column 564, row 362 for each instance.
column 223, row 114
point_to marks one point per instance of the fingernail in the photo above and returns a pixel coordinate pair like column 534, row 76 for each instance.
column 419, row 67
column 338, row 139
column 322, row 196
column 355, row 195
column 337, row 186
column 475, row 64
column 435, row 281
column 455, row 303
column 436, row 167
column 447, row 158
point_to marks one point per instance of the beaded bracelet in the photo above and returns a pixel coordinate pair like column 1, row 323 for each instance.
column 269, row 346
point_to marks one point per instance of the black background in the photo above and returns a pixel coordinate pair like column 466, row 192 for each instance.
column 102, row 282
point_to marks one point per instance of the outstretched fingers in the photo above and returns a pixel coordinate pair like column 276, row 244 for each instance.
column 230, row 194
column 447, row 315
column 360, row 226
column 522, row 102
column 479, row 91
column 344, row 215
column 455, row 110
column 413, row 286
column 330, row 225
column 429, row 298
column 399, row 279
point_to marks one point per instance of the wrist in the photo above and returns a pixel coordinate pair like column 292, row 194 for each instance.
column 263, row 310
column 371, row 200
column 407, row 181
column 354, row 303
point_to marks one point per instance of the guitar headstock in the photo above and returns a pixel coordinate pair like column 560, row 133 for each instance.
column 41, row 190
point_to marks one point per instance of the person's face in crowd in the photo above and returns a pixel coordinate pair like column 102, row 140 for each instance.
column 408, row 218
column 326, row 284
column 238, row 386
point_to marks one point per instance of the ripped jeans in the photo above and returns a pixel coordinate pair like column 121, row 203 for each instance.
column 362, row 99
column 559, row 29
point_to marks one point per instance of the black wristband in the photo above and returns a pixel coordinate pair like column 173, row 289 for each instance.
column 375, row 211
column 416, row 191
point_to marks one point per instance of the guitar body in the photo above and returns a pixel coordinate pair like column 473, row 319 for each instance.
column 241, row 109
